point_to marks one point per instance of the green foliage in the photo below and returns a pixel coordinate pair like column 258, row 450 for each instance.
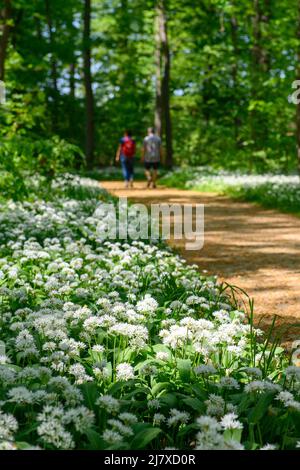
column 228, row 108
column 22, row 157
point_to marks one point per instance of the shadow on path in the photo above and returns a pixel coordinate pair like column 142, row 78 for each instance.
column 245, row 245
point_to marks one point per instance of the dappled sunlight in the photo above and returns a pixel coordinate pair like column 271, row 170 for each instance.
column 254, row 248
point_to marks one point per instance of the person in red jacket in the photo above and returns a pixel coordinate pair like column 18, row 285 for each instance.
column 125, row 154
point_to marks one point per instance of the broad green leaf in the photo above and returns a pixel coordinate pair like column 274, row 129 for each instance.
column 195, row 404
column 261, row 407
column 144, row 437
column 90, row 393
column 184, row 368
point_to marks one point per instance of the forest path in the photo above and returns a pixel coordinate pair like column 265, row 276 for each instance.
column 253, row 248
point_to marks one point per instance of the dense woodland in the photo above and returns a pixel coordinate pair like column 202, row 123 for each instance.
column 213, row 75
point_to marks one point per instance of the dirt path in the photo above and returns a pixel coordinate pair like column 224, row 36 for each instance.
column 255, row 249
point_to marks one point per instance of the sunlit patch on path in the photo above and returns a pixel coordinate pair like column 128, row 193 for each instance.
column 245, row 245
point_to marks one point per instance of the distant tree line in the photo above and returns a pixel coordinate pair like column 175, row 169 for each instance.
column 213, row 76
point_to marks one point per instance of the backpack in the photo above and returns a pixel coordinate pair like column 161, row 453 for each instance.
column 128, row 147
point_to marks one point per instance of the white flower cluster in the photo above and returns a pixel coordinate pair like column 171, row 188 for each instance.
column 100, row 340
column 273, row 188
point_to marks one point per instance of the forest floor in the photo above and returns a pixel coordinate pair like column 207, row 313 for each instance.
column 256, row 249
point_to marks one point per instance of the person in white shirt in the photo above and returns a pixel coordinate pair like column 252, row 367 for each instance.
column 151, row 156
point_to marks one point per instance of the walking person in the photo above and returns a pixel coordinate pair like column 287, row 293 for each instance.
column 151, row 156
column 125, row 154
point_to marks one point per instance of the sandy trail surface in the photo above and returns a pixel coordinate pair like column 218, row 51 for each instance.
column 245, row 245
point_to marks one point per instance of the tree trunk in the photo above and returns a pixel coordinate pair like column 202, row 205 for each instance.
column 298, row 78
column 158, row 84
column 256, row 54
column 166, row 91
column 163, row 120
column 234, row 71
column 266, row 17
column 257, row 18
column 259, row 126
column 72, row 79
column 52, row 47
column 89, row 97
column 5, row 15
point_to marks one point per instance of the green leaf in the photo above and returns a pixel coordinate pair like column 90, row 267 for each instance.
column 199, row 391
column 235, row 434
column 90, row 393
column 159, row 387
column 184, row 369
column 117, row 386
column 144, row 437
column 143, row 363
column 161, row 348
column 24, row 445
column 261, row 407
column 95, row 440
column 169, row 399
column 195, row 404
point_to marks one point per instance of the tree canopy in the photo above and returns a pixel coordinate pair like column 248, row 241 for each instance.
column 219, row 72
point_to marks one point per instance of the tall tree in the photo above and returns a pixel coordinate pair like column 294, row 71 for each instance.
column 163, row 120
column 89, row 96
column 256, row 68
column 72, row 78
column 298, row 78
column 5, row 17
column 51, row 47
column 260, row 69
column 158, row 76
column 234, row 27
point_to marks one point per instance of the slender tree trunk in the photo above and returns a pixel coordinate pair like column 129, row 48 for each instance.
column 260, row 67
column 52, row 47
column 255, row 68
column 266, row 18
column 5, row 15
column 234, row 71
column 257, row 18
column 163, row 120
column 89, row 97
column 158, row 60
column 72, row 78
column 298, row 78
column 166, row 91
column 259, row 126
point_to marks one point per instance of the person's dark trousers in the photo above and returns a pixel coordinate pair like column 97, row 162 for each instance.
column 127, row 167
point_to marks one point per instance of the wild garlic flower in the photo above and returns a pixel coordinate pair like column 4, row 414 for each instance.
column 269, row 447
column 125, row 371
column 177, row 417
column 128, row 418
column 112, row 437
column 162, row 356
column 205, row 370
column 261, row 386
column 229, row 382
column 78, row 371
column 215, row 405
column 109, row 403
column 8, row 426
column 120, row 427
column 292, row 372
column 20, row 395
column 158, row 419
column 147, row 306
column 230, row 421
